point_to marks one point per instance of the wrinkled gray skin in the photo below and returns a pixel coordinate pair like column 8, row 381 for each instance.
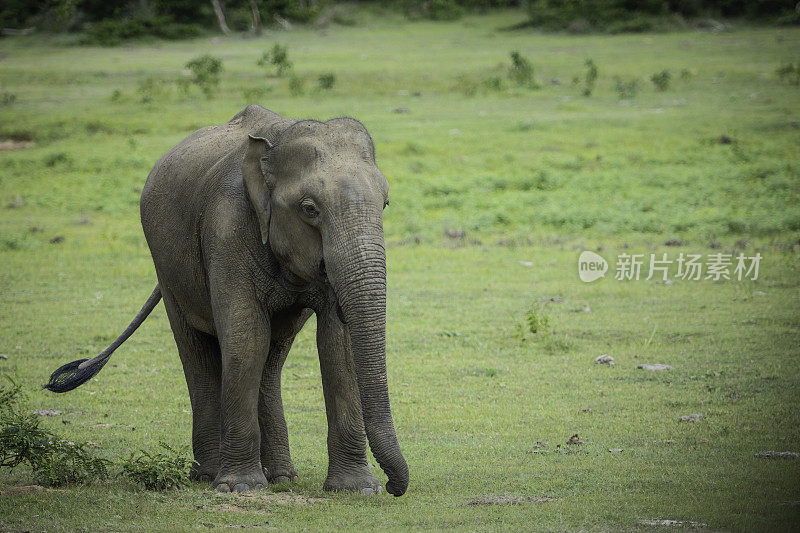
column 253, row 225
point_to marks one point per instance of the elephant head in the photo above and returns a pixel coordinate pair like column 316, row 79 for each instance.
column 319, row 198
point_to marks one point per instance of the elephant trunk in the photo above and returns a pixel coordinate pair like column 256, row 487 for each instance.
column 356, row 266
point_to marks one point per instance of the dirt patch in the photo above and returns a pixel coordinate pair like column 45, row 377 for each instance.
column 26, row 489
column 508, row 499
column 13, row 144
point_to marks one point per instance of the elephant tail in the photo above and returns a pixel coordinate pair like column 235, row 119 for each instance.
column 78, row 372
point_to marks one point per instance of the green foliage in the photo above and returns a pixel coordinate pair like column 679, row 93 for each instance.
column 326, row 81
column 535, row 320
column 114, row 31
column 296, row 10
column 278, row 56
column 297, row 85
column 150, row 89
column 205, row 73
column 661, row 80
column 6, row 98
column 626, row 90
column 521, row 70
column 589, row 77
column 433, row 9
column 623, row 16
column 159, row 470
column 54, row 461
column 789, row 73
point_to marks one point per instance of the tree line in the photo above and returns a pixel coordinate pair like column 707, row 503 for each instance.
column 184, row 18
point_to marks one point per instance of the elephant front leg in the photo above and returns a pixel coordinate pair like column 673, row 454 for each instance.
column 244, row 344
column 275, row 457
column 347, row 442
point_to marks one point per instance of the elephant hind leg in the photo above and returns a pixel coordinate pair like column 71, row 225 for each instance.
column 201, row 360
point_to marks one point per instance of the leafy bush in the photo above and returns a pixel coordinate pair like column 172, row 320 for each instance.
column 6, row 99
column 789, row 73
column 113, row 31
column 150, row 89
column 661, row 80
column 297, row 85
column 279, row 57
column 590, row 77
column 327, row 81
column 205, row 73
column 433, row 9
column 521, row 70
column 54, row 461
column 617, row 16
column 626, row 90
column 159, row 471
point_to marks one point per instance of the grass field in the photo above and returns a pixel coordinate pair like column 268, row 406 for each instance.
column 495, row 191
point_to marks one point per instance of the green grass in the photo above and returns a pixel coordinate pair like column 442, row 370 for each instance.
column 481, row 179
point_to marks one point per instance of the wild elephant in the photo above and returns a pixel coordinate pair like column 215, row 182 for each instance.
column 253, row 225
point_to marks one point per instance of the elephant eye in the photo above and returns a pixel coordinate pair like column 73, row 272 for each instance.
column 309, row 209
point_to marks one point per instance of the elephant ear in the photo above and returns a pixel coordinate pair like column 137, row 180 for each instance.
column 256, row 183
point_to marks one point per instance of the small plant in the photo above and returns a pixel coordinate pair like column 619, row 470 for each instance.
column 590, row 77
column 327, row 81
column 626, row 90
column 686, row 74
column 54, row 461
column 297, row 85
column 789, row 73
column 535, row 323
column 279, row 57
column 150, row 89
column 205, row 73
column 521, row 70
column 159, row 471
column 6, row 99
column 661, row 80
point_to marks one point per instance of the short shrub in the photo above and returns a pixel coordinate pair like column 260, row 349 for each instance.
column 297, row 85
column 589, row 77
column 159, row 471
column 626, row 90
column 6, row 99
column 205, row 73
column 279, row 57
column 521, row 71
column 789, row 73
column 327, row 81
column 661, row 80
column 53, row 460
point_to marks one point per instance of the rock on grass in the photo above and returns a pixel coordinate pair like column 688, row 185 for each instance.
column 778, row 455
column 604, row 359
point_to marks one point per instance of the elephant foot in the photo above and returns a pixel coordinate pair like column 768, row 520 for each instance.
column 240, row 482
column 360, row 480
column 281, row 474
column 202, row 473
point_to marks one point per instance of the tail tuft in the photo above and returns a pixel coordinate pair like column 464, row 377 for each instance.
column 71, row 375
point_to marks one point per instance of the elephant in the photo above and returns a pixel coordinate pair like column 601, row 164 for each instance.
column 253, row 225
